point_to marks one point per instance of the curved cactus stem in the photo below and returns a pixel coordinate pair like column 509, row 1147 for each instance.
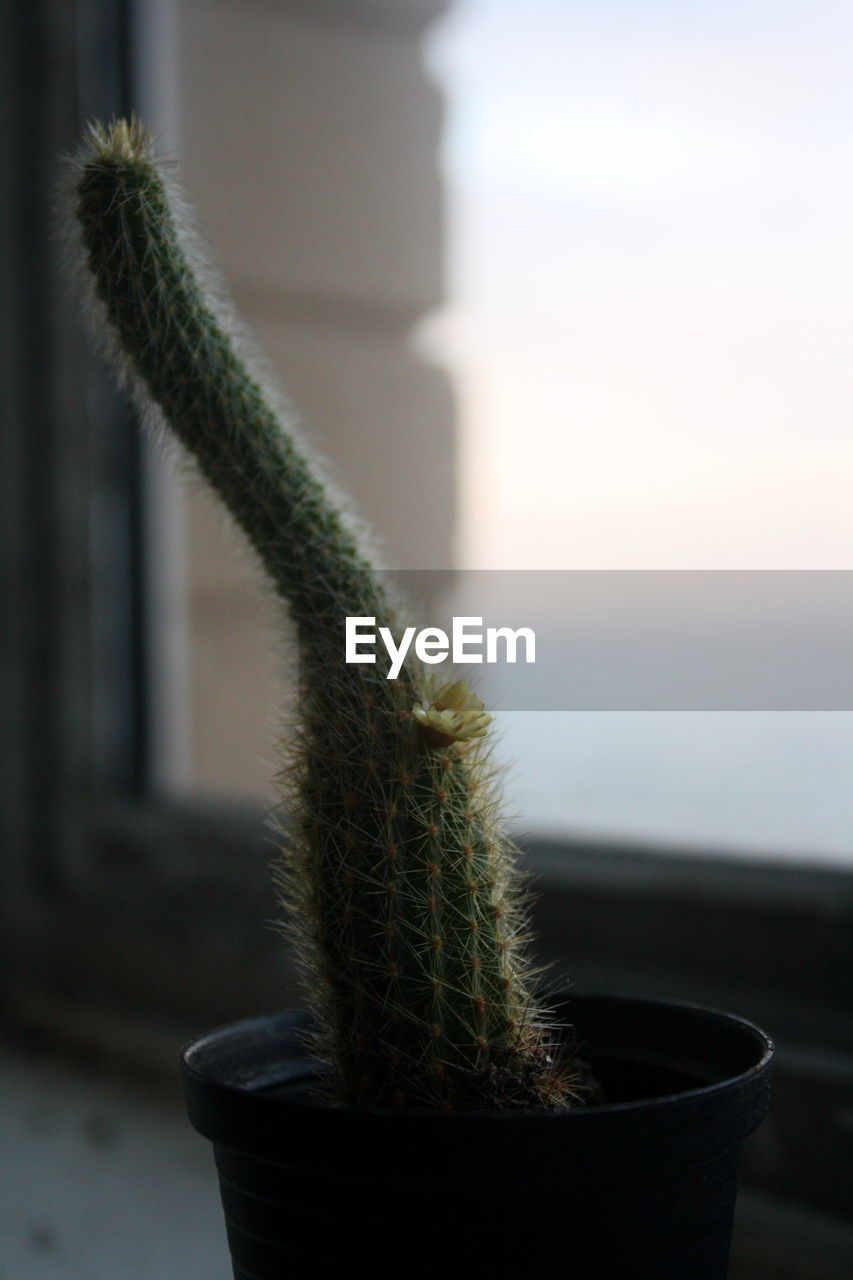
column 400, row 887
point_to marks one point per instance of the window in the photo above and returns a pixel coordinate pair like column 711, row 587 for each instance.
column 648, row 325
column 134, row 901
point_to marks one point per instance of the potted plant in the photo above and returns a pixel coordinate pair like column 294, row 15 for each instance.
column 428, row 1113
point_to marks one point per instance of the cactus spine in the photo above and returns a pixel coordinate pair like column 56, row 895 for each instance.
column 400, row 887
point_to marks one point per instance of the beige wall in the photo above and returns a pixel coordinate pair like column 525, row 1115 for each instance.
column 307, row 138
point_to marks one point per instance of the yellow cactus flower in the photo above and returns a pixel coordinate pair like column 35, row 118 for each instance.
column 451, row 713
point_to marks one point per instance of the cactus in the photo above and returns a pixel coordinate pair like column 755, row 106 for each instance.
column 401, row 889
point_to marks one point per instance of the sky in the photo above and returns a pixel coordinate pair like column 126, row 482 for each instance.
column 651, row 282
column 649, row 327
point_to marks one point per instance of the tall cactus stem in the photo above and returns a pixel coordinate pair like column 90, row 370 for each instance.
column 401, row 889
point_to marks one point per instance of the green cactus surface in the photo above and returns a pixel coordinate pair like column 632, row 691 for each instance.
column 400, row 887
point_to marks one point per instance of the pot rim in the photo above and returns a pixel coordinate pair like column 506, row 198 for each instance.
column 298, row 1023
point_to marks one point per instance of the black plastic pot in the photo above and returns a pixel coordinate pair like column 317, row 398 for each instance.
column 641, row 1187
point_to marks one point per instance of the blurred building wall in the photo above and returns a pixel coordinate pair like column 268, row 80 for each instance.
column 306, row 137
